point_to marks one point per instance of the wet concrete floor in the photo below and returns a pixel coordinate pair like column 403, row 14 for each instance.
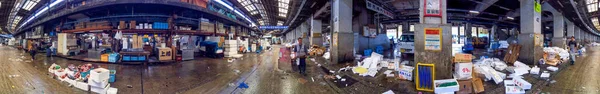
column 262, row 72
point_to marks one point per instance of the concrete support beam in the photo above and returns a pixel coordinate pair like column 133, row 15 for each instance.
column 559, row 31
column 493, row 34
column 570, row 29
column 343, row 37
column 577, row 33
column 442, row 57
column 316, row 37
column 530, row 33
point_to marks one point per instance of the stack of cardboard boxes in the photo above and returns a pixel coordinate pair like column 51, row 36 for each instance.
column 221, row 28
column 206, row 26
column 137, row 42
column 463, row 72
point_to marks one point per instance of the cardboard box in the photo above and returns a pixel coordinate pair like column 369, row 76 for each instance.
column 99, row 75
column 463, row 58
column 478, row 85
column 165, row 54
column 132, row 25
column 100, row 90
column 446, row 89
column 122, row 25
column 82, row 85
column 466, row 87
column 463, row 71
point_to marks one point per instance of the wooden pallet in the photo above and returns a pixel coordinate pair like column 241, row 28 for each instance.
column 512, row 54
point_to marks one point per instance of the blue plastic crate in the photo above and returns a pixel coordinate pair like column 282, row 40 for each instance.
column 368, row 52
column 134, row 58
column 142, row 58
column 111, row 79
column 126, row 58
column 379, row 49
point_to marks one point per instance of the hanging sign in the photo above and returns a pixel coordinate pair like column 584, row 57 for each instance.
column 433, row 39
column 432, row 8
column 379, row 9
column 537, row 7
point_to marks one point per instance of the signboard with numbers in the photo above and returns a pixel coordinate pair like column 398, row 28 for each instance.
column 432, row 8
column 433, row 39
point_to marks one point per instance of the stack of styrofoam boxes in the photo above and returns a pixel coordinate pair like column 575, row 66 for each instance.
column 98, row 80
column 230, row 48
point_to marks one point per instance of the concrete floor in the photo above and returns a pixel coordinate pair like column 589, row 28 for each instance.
column 264, row 74
column 205, row 75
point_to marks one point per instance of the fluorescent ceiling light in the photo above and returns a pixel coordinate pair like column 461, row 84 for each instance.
column 29, row 5
column 510, row 18
column 474, row 12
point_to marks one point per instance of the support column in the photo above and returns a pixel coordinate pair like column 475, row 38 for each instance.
column 343, row 36
column 559, row 31
column 570, row 29
column 558, row 39
column 442, row 55
column 577, row 34
column 316, row 37
column 530, row 39
column 492, row 35
column 468, row 31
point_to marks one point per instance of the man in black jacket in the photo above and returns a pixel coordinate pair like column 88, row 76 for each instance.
column 573, row 49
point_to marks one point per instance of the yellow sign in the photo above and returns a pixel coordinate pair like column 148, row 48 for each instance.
column 537, row 7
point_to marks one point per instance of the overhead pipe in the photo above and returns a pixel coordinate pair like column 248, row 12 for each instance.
column 581, row 18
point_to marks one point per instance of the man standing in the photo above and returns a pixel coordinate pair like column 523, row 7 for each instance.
column 300, row 55
column 573, row 49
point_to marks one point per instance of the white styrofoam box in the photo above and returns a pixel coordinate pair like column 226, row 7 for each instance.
column 100, row 90
column 82, row 85
column 522, row 83
column 72, row 82
column 463, row 71
column 112, row 90
column 535, row 70
column 57, row 73
column 99, row 74
column 97, row 83
column 406, row 72
column 512, row 88
column 551, row 68
column 439, row 90
column 545, row 75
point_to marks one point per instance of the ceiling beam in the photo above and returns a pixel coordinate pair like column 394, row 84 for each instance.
column 490, row 4
column 484, row 5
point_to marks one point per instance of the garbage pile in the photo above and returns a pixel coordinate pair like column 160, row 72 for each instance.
column 316, row 51
column 470, row 75
column 554, row 55
column 370, row 66
column 86, row 77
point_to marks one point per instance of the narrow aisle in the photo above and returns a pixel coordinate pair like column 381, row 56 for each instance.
column 581, row 78
column 18, row 76
column 268, row 79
